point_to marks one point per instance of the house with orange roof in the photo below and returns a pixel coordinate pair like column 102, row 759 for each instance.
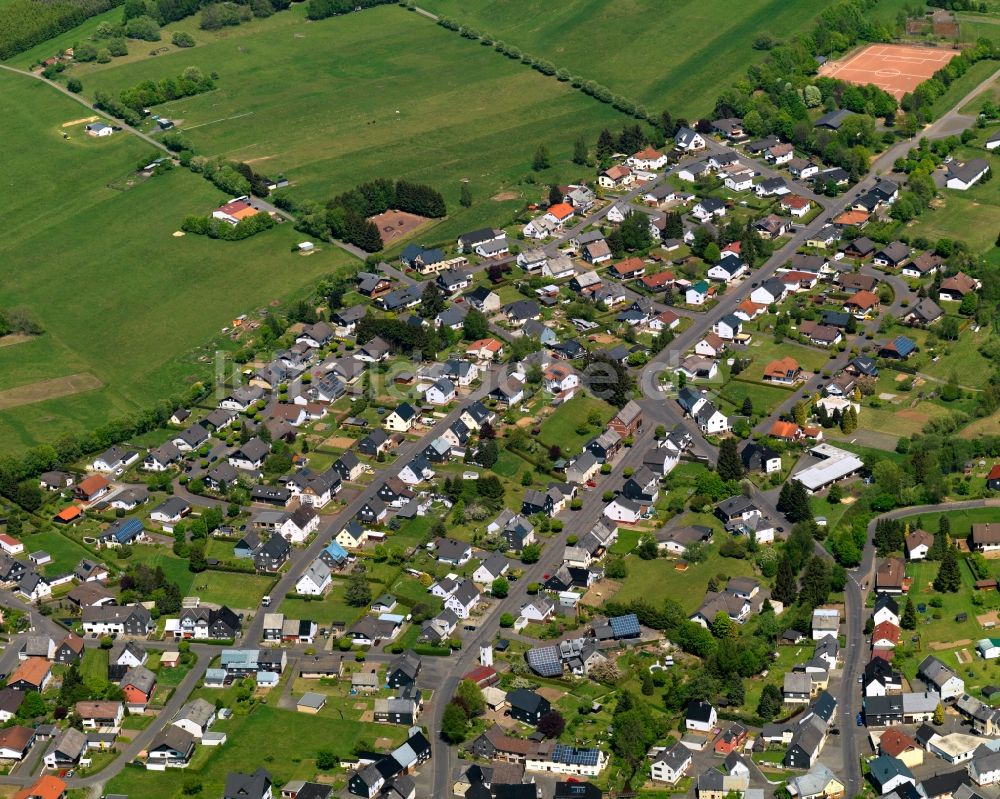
column 561, row 380
column 786, row 431
column 749, row 310
column 234, row 211
column 32, row 675
column 796, row 205
column 785, row 371
column 796, row 280
column 629, row 268
column 648, row 160
column 862, row 304
column 852, row 218
column 561, row 212
column 486, row 349
column 91, row 488
column 616, row 177
column 733, row 248
column 885, row 635
column 45, row 787
column 659, row 281
column 68, row 515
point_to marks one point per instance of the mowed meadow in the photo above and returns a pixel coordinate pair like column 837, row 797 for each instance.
column 677, row 55
column 379, row 93
column 123, row 302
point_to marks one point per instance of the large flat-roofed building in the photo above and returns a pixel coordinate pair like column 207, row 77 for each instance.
column 835, row 464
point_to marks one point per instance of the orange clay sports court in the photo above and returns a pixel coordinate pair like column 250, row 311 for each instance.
column 897, row 68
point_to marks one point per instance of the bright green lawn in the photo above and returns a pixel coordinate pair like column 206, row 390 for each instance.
column 65, row 552
column 763, row 349
column 94, row 666
column 656, row 580
column 175, row 569
column 375, row 94
column 231, row 588
column 560, row 427
column 330, row 608
column 118, row 296
column 678, row 57
column 764, row 398
column 284, row 742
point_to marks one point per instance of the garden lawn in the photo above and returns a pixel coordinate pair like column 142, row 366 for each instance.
column 295, row 98
column 967, row 215
column 133, row 301
column 899, row 420
column 764, row 349
column 175, row 569
column 236, row 590
column 764, row 398
column 655, row 581
column 94, row 666
column 560, row 427
column 330, row 608
column 706, row 44
column 282, row 741
column 65, row 552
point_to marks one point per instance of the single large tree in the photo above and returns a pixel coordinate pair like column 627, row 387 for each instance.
column 769, row 705
column 432, row 301
column 551, row 724
column 358, row 593
column 909, row 620
column 729, row 465
column 949, row 578
column 785, row 589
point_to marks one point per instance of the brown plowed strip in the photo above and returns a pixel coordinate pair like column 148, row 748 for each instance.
column 48, row 389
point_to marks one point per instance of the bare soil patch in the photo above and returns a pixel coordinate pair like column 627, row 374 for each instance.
column 938, row 645
column 80, row 121
column 914, row 416
column 550, row 693
column 338, row 442
column 14, row 338
column 505, row 196
column 987, row 620
column 48, row 389
column 395, row 225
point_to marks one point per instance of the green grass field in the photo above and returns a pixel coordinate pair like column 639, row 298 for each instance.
column 284, row 742
column 764, row 398
column 296, row 97
column 231, row 588
column 120, row 298
column 763, row 349
column 677, row 57
column 560, row 427
column 657, row 580
column 65, row 552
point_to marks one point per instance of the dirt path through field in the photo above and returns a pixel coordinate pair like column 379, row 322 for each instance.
column 14, row 338
column 48, row 389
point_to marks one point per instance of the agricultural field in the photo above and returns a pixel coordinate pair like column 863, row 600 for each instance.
column 122, row 314
column 612, row 43
column 294, row 98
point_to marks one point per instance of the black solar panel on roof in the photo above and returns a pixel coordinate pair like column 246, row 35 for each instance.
column 545, row 661
column 573, row 756
column 625, row 626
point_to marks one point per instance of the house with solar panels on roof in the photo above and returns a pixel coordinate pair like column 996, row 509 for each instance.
column 618, row 628
column 573, row 760
column 578, row 656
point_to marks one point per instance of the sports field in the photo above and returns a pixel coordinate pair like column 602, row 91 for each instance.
column 380, row 93
column 896, row 68
column 677, row 55
column 122, row 301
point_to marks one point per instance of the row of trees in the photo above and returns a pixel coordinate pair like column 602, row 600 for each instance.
column 25, row 23
column 321, row 9
column 190, row 82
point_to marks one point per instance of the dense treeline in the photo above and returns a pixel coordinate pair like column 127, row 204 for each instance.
column 321, row 9
column 148, row 93
column 400, row 335
column 219, row 229
column 345, row 217
column 25, row 23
